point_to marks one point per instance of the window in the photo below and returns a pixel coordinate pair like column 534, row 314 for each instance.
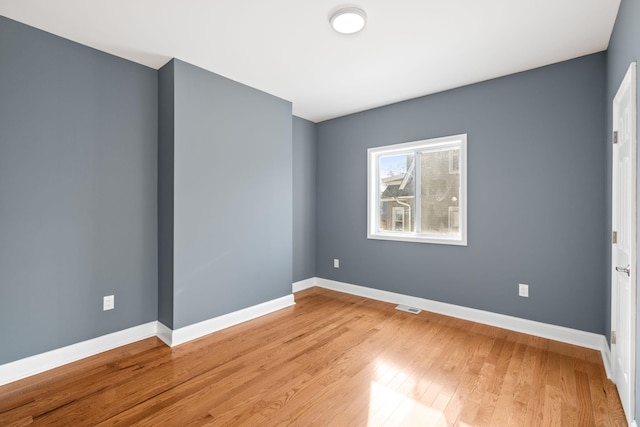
column 418, row 191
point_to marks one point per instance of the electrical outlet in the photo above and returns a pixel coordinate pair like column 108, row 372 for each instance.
column 336, row 263
column 108, row 303
column 523, row 290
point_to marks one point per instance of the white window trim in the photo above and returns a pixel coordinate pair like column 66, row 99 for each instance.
column 373, row 183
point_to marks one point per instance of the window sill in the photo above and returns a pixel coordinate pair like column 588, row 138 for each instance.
column 402, row 237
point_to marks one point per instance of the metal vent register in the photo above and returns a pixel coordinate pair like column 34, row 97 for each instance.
column 408, row 309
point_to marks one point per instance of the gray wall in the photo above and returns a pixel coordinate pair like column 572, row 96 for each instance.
column 232, row 205
column 304, row 199
column 624, row 48
column 535, row 204
column 78, row 131
column 165, row 193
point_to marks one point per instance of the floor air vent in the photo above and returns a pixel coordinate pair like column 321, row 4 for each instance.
column 408, row 309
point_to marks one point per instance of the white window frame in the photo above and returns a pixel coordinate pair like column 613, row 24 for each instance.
column 373, row 190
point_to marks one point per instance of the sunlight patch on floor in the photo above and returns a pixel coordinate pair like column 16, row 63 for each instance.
column 390, row 407
column 407, row 411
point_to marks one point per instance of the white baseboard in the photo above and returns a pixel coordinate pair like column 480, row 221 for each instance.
column 164, row 333
column 32, row 365
column 23, row 368
column 606, row 357
column 304, row 284
column 531, row 327
column 14, row 371
column 197, row 330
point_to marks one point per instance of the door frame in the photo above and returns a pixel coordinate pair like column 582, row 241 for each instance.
column 628, row 83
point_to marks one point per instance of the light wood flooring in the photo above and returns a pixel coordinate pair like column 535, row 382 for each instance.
column 331, row 360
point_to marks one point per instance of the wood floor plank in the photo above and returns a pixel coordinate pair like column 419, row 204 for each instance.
column 552, row 406
column 569, row 391
column 585, row 403
column 332, row 359
column 485, row 413
column 535, row 405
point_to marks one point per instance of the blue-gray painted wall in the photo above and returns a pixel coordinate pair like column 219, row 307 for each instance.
column 78, row 135
column 165, row 193
column 232, row 207
column 535, row 196
column 624, row 48
column 304, row 199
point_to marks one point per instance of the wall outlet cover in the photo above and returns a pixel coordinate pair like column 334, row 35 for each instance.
column 336, row 263
column 108, row 303
column 523, row 290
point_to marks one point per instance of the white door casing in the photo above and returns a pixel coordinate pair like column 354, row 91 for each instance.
column 623, row 252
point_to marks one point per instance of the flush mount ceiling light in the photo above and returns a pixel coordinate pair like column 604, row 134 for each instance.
column 348, row 20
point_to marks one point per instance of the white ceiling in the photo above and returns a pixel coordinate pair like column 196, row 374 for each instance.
column 409, row 48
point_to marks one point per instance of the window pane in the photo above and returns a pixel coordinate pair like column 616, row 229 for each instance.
column 440, row 192
column 416, row 191
column 397, row 192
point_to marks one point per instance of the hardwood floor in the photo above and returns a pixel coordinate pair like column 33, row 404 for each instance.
column 331, row 360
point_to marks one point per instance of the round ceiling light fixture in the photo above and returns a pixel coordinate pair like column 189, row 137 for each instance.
column 348, row 20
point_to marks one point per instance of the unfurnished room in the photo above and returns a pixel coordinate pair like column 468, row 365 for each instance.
column 322, row 213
